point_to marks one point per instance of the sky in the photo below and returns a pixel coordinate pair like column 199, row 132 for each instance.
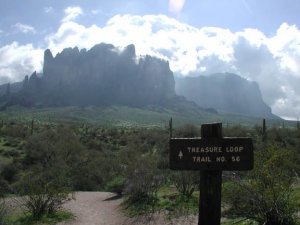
column 256, row 39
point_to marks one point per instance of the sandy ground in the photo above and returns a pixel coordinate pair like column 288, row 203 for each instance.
column 95, row 208
column 102, row 208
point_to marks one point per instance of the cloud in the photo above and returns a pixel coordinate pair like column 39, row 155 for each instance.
column 272, row 61
column 175, row 6
column 71, row 13
column 24, row 28
column 16, row 61
column 48, row 9
column 186, row 47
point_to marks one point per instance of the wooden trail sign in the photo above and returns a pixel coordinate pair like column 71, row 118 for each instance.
column 211, row 154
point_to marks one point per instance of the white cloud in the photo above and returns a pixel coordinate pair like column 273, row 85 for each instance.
column 71, row 13
column 285, row 45
column 16, row 61
column 175, row 6
column 24, row 28
column 290, row 101
column 271, row 61
column 183, row 45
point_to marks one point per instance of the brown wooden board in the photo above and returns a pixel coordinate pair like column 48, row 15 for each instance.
column 211, row 154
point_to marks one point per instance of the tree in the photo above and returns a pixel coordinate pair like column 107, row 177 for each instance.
column 265, row 194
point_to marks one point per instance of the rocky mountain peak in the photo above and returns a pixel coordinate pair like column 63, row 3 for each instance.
column 226, row 92
column 101, row 75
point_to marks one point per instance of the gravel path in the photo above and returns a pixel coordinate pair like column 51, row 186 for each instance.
column 102, row 208
column 95, row 208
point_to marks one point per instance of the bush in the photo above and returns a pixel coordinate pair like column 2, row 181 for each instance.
column 186, row 182
column 60, row 147
column 55, row 218
column 142, row 183
column 9, row 172
column 44, row 193
column 265, row 195
column 188, row 131
column 4, row 188
column 14, row 130
column 116, row 185
column 3, row 212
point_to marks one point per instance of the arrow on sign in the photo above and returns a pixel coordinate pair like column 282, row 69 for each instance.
column 180, row 154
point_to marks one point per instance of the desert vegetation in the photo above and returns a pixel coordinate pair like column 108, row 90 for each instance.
column 43, row 164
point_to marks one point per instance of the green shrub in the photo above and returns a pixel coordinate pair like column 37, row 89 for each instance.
column 28, row 219
column 9, row 172
column 3, row 212
column 11, row 153
column 188, row 131
column 186, row 182
column 45, row 192
column 4, row 187
column 14, row 130
column 142, row 183
column 265, row 195
column 116, row 185
column 60, row 147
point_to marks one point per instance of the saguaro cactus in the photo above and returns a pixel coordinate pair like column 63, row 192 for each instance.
column 264, row 129
column 171, row 127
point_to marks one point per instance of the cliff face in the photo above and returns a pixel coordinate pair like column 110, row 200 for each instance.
column 226, row 92
column 100, row 76
column 104, row 75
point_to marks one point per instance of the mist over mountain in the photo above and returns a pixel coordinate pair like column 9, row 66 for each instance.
column 103, row 75
column 106, row 75
column 226, row 92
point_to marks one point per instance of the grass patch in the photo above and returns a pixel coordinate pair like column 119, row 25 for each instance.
column 171, row 200
column 167, row 199
column 296, row 195
column 11, row 148
column 296, row 191
column 179, row 205
column 27, row 219
column 143, row 206
column 238, row 221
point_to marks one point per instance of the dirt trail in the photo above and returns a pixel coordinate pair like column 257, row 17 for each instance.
column 95, row 208
column 102, row 208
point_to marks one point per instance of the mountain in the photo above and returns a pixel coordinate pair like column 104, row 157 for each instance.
column 107, row 76
column 7, row 88
column 103, row 75
column 226, row 92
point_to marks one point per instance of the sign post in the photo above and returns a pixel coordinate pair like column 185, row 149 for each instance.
column 211, row 154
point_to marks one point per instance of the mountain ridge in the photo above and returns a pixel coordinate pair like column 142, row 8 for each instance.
column 106, row 75
column 103, row 75
column 226, row 92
